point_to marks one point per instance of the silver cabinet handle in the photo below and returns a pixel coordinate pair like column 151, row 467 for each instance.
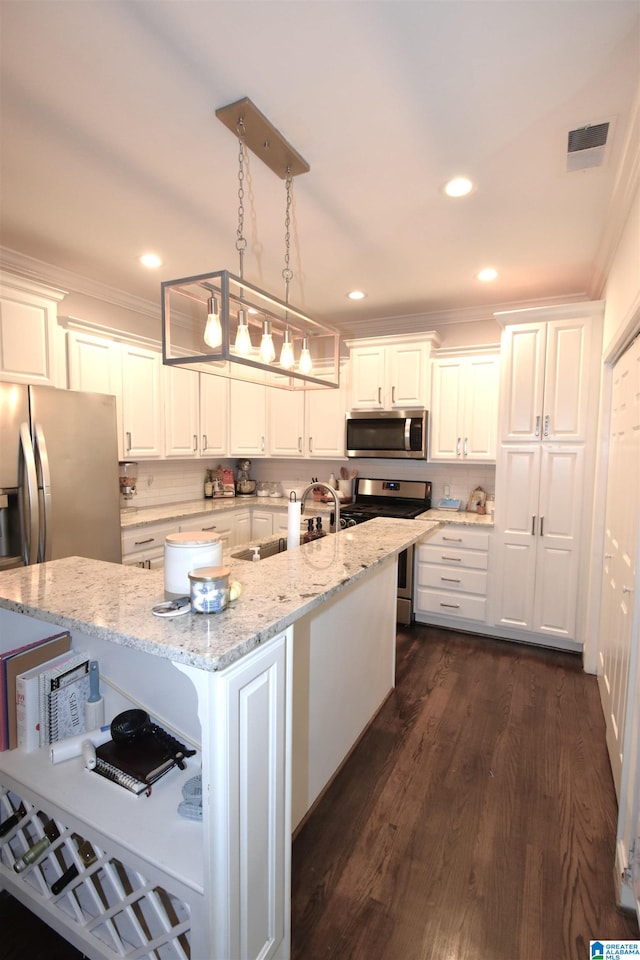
column 262, row 444
column 380, row 395
column 212, row 527
column 542, row 526
column 450, row 580
column 393, row 394
column 466, row 444
column 195, row 443
column 204, row 441
column 546, row 425
column 140, row 543
column 310, row 444
column 128, row 436
column 299, row 444
column 453, row 539
column 533, row 526
column 627, row 589
column 537, row 426
column 454, row 606
column 44, row 475
column 452, row 559
column 458, row 447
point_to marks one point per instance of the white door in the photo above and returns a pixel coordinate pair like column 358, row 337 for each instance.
column 141, row 402
column 621, row 546
column 325, row 423
column 447, row 409
column 248, row 418
column 481, row 376
column 405, row 377
column 285, row 422
column 181, row 412
column 214, row 415
column 367, row 373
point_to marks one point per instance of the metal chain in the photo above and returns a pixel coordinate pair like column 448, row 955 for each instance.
column 287, row 273
column 241, row 243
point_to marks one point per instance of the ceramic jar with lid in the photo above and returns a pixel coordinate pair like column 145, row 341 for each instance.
column 183, row 552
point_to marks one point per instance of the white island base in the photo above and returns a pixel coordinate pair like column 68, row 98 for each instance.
column 271, row 729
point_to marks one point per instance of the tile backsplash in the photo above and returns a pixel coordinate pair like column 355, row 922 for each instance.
column 175, row 481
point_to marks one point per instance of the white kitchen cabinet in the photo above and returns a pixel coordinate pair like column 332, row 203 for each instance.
column 451, row 576
column 28, row 331
column 162, row 885
column 387, row 375
column 261, row 523
column 242, row 526
column 286, row 422
column 144, row 546
column 324, row 430
column 545, row 380
column 214, row 415
column 538, row 524
column 94, row 365
column 141, row 402
column 221, row 523
column 464, row 408
column 248, row 419
column 181, row 412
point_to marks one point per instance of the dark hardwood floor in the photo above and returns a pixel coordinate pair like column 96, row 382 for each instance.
column 474, row 821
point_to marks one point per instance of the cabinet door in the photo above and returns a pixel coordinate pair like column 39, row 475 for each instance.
column 241, row 527
column 367, row 378
column 523, row 351
column 481, row 383
column 94, row 364
column 247, row 406
column 558, row 536
column 253, row 822
column 181, row 407
column 566, row 380
column 517, row 486
column 405, row 376
column 325, row 413
column 261, row 524
column 285, row 422
column 447, row 407
column 214, row 415
column 27, row 334
column 141, row 402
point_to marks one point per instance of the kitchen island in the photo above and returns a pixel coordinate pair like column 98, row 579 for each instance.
column 273, row 693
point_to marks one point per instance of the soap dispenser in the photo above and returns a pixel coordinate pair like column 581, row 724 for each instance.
column 319, row 531
column 256, row 554
column 310, row 534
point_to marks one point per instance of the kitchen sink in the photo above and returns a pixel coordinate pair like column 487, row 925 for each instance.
column 268, row 549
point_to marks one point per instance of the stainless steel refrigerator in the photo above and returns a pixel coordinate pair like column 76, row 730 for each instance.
column 59, row 478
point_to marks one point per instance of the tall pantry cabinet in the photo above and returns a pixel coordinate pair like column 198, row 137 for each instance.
column 544, row 476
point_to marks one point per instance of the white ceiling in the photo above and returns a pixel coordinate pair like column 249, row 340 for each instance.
column 111, row 147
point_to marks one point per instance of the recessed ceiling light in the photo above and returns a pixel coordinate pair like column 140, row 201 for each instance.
column 458, row 187
column 487, row 275
column 150, row 260
column 356, row 295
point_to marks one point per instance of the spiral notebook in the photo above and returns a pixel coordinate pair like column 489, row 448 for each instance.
column 136, row 765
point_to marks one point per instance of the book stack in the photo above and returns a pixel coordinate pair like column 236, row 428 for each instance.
column 43, row 689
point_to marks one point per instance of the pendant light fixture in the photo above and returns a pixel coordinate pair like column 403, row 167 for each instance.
column 210, row 320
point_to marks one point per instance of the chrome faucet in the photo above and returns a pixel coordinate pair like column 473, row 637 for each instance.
column 336, row 500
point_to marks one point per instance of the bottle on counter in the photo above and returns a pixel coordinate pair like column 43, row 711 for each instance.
column 319, row 531
column 208, row 485
column 332, row 481
column 310, row 532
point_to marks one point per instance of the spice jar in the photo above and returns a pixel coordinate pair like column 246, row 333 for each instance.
column 209, row 589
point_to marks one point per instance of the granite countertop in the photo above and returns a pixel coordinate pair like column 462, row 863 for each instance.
column 140, row 517
column 459, row 517
column 114, row 601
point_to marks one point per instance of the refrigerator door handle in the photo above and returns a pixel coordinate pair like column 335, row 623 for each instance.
column 28, row 510
column 44, row 490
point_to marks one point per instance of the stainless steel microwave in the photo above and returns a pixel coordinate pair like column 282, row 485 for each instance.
column 387, row 434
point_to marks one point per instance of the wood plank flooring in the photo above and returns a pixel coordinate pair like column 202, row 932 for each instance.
column 474, row 821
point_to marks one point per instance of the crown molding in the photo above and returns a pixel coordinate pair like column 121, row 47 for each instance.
column 46, row 273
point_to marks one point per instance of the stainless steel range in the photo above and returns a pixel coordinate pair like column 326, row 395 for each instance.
column 399, row 499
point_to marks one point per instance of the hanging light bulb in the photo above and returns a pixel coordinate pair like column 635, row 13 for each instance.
column 213, row 330
column 267, row 349
column 305, row 365
column 243, row 343
column 287, row 358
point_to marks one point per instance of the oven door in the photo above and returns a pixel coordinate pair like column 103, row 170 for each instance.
column 404, row 602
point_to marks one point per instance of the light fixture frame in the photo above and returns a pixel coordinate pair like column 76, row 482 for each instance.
column 183, row 327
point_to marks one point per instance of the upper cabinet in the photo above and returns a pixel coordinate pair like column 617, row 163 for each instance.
column 545, row 380
column 389, row 374
column 28, row 331
column 464, row 408
column 309, row 423
column 141, row 402
column 248, row 420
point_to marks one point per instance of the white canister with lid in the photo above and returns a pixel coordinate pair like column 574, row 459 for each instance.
column 184, row 552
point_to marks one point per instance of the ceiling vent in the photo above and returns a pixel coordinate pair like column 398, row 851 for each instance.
column 585, row 146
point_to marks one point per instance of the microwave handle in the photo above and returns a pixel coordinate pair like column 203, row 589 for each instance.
column 407, row 434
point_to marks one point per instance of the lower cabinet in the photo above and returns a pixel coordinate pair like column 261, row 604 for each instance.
column 451, row 576
column 144, row 546
column 149, row 883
